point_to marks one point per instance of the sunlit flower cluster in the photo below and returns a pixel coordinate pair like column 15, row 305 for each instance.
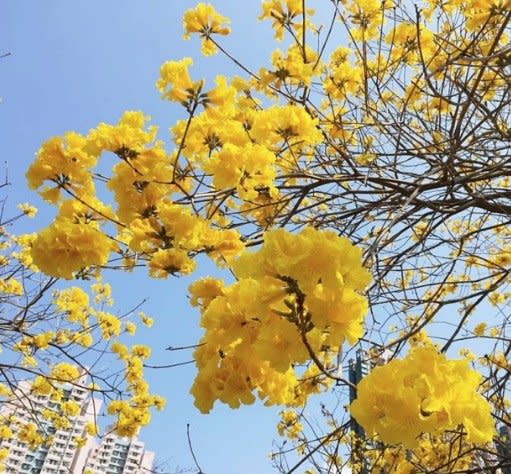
column 298, row 293
column 422, row 393
column 204, row 20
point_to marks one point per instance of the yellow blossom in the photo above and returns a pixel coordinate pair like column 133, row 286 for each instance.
column 423, row 393
column 480, row 329
column 27, row 209
column 64, row 372
column 146, row 320
column 10, row 286
column 130, row 328
column 170, row 262
column 175, row 83
column 66, row 247
column 204, row 20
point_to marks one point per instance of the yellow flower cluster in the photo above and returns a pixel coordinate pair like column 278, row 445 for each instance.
column 344, row 79
column 66, row 247
column 286, row 15
column 10, row 286
column 298, row 293
column 27, row 209
column 289, row 425
column 65, row 162
column 175, row 83
column 127, row 138
column 423, row 393
column 449, row 452
column 405, row 38
column 28, row 433
column 166, row 235
column 366, row 16
column 248, row 169
column 133, row 413
column 323, row 267
column 295, row 68
column 204, row 20
column 65, row 372
column 109, row 324
column 288, row 125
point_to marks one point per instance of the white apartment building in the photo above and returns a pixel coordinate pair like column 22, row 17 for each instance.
column 112, row 455
column 63, row 456
column 116, row 455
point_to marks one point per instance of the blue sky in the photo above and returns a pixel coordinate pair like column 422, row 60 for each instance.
column 73, row 65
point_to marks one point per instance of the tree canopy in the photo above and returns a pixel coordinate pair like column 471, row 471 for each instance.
column 356, row 188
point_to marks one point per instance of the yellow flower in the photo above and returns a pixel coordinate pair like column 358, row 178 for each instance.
column 74, row 302
column 120, row 349
column 159, row 402
column 80, row 441
column 146, row 320
column 64, row 162
column 284, row 14
column 175, row 83
column 42, row 340
column 11, row 286
column 286, row 124
column 66, row 247
column 205, row 290
column 139, row 188
column 103, row 292
column 289, row 425
column 422, row 393
column 130, row 328
column 141, row 351
column 127, row 138
column 5, row 391
column 222, row 96
column 5, row 432
column 64, row 372
column 91, row 429
column 4, row 452
column 205, row 20
column 109, row 324
column 480, row 329
column 84, row 339
column 28, row 434
column 24, row 254
column 27, row 209
column 366, row 16
column 165, row 262
column 70, row 408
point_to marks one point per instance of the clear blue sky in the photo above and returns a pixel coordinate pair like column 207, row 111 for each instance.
column 75, row 64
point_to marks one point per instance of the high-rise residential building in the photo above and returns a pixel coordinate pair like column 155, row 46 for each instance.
column 112, row 455
column 503, row 445
column 64, row 455
column 116, row 455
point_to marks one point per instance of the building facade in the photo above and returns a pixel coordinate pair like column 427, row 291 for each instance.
column 63, row 456
column 116, row 455
column 111, row 455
